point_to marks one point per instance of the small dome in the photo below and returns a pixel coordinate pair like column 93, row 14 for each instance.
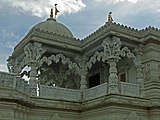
column 52, row 26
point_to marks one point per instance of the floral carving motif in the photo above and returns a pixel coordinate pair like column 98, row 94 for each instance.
column 33, row 52
column 112, row 48
column 57, row 58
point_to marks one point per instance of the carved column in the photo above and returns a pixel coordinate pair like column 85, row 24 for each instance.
column 113, row 78
column 113, row 51
column 139, row 70
column 33, row 79
column 83, row 73
column 83, row 82
column 33, row 74
column 33, row 53
column 140, row 79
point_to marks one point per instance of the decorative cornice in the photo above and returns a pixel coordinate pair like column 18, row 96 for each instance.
column 148, row 34
column 111, row 27
column 37, row 30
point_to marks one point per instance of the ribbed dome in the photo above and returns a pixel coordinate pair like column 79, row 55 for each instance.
column 52, row 26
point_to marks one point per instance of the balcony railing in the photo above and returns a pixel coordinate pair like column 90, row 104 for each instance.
column 11, row 81
column 95, row 92
column 59, row 93
column 129, row 89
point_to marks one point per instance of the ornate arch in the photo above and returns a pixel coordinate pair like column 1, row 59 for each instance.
column 57, row 58
column 32, row 55
column 112, row 48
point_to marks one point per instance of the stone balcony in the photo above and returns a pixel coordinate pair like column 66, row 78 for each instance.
column 11, row 81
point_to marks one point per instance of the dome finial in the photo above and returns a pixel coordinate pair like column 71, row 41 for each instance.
column 51, row 15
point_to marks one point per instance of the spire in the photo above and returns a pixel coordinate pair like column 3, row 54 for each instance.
column 51, row 15
column 110, row 19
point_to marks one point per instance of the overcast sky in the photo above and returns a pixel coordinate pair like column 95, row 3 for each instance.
column 82, row 17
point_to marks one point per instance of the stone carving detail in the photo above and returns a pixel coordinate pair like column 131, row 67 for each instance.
column 112, row 48
column 51, row 78
column 57, row 58
column 147, row 74
column 113, row 51
column 60, row 78
column 33, row 52
column 96, row 57
column 113, row 78
column 139, row 69
column 83, row 73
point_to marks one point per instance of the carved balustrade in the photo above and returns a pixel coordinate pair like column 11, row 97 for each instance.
column 130, row 89
column 11, row 81
column 95, row 92
column 59, row 93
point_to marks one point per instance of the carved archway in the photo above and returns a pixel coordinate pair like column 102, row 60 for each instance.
column 58, row 77
column 113, row 51
column 59, row 58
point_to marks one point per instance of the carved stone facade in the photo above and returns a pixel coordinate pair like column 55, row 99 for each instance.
column 113, row 74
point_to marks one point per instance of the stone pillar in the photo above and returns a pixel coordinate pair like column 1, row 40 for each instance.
column 83, row 82
column 140, row 79
column 113, row 78
column 33, row 80
column 83, row 73
column 139, row 70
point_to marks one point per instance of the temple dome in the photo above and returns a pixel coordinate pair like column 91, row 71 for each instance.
column 52, row 26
